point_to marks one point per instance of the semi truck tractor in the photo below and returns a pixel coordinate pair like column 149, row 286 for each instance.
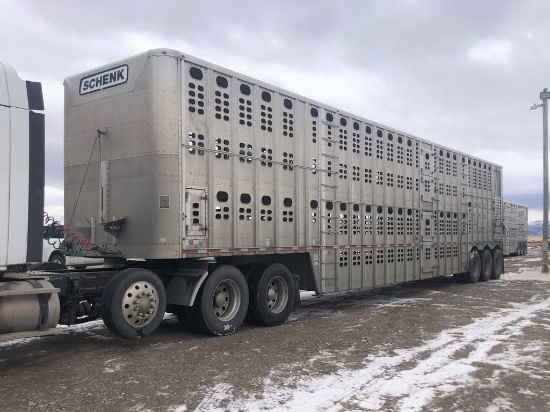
column 218, row 197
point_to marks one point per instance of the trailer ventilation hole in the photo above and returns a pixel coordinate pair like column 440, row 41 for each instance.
column 368, row 129
column 329, row 117
column 246, row 155
column 221, row 146
column 222, row 82
column 287, row 202
column 379, row 133
column 368, row 209
column 379, row 209
column 222, row 196
column 314, row 112
column 368, row 146
column 266, row 97
column 245, row 89
column 266, row 156
column 355, row 125
column 343, row 207
column 343, row 171
column 288, row 124
column 245, row 198
column 266, row 118
column 195, row 73
column 265, row 215
column 330, row 206
column 266, row 200
column 245, row 111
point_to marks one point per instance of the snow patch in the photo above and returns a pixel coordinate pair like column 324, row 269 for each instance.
column 411, row 377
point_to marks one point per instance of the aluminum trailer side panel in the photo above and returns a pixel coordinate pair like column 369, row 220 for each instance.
column 515, row 228
column 202, row 161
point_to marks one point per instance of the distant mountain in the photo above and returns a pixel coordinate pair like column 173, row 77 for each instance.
column 535, row 228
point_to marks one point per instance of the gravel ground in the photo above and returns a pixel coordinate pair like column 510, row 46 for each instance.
column 425, row 345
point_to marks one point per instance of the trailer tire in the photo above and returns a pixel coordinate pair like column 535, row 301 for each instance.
column 272, row 291
column 125, row 300
column 498, row 264
column 210, row 313
column 486, row 265
column 474, row 268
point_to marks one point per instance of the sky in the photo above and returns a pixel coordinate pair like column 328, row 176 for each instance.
column 463, row 74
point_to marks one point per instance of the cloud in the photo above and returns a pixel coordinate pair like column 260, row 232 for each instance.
column 491, row 51
column 459, row 75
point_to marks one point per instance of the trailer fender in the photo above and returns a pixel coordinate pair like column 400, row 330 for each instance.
column 184, row 286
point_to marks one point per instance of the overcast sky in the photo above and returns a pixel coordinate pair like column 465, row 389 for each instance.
column 460, row 73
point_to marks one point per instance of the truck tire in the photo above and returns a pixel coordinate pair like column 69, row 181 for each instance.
column 486, row 265
column 474, row 268
column 271, row 288
column 220, row 307
column 58, row 258
column 133, row 303
column 498, row 264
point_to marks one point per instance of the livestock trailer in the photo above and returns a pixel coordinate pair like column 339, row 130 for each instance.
column 217, row 197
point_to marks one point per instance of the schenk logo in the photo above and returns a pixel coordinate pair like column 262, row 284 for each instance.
column 104, row 80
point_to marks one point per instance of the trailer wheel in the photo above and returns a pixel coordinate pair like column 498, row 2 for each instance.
column 272, row 291
column 474, row 268
column 133, row 303
column 486, row 265
column 498, row 264
column 220, row 307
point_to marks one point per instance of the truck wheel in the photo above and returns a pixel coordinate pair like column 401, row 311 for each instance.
column 474, row 268
column 498, row 264
column 272, row 291
column 133, row 303
column 486, row 265
column 220, row 307
column 57, row 258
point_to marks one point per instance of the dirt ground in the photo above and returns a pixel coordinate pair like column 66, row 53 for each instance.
column 425, row 345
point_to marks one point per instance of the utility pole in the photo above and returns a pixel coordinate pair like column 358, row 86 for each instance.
column 544, row 96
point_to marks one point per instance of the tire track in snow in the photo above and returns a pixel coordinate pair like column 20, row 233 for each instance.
column 385, row 377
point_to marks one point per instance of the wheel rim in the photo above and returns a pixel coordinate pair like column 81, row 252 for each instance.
column 277, row 294
column 140, row 303
column 226, row 300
